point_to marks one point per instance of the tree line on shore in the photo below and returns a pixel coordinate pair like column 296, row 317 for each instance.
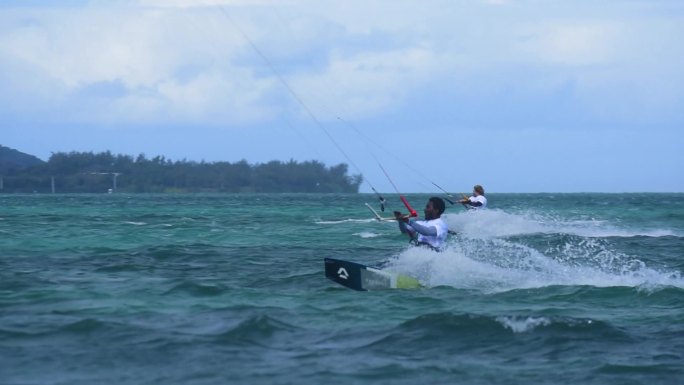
column 88, row 172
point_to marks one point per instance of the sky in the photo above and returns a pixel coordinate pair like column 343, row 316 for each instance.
column 516, row 95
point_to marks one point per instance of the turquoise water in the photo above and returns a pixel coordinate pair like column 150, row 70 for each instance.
column 218, row 289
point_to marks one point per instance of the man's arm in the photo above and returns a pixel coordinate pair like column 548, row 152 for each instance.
column 403, row 224
column 424, row 230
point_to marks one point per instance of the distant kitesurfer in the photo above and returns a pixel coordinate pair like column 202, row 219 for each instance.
column 477, row 200
column 432, row 231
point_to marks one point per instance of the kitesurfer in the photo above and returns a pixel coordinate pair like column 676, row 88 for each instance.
column 432, row 231
column 477, row 200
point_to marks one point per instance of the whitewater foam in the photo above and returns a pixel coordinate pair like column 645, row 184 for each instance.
column 499, row 265
column 135, row 223
column 523, row 324
column 367, row 234
column 497, row 223
column 348, row 220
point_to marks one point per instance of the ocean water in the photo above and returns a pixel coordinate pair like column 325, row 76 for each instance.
column 230, row 289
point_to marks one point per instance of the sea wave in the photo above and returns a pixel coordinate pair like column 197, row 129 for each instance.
column 254, row 330
column 197, row 290
column 444, row 331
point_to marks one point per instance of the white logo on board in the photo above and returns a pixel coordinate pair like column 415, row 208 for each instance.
column 342, row 273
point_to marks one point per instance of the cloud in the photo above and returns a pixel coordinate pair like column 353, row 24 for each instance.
column 190, row 66
column 368, row 82
column 164, row 64
column 623, row 71
column 153, row 61
column 572, row 43
column 204, row 3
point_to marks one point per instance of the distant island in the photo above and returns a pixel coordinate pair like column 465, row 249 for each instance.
column 88, row 172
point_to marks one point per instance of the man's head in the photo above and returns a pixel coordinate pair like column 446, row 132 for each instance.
column 478, row 190
column 434, row 208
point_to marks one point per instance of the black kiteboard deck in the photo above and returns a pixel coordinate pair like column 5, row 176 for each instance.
column 361, row 277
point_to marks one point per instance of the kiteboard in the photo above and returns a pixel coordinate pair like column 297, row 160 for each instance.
column 361, row 277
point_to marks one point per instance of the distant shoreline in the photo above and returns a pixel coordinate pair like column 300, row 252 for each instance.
column 87, row 172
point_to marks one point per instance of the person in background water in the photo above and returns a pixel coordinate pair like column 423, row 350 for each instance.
column 432, row 231
column 477, row 200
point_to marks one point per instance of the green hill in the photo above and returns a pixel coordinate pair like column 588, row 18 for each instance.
column 12, row 160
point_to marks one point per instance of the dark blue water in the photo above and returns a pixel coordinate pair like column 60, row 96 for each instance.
column 215, row 289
